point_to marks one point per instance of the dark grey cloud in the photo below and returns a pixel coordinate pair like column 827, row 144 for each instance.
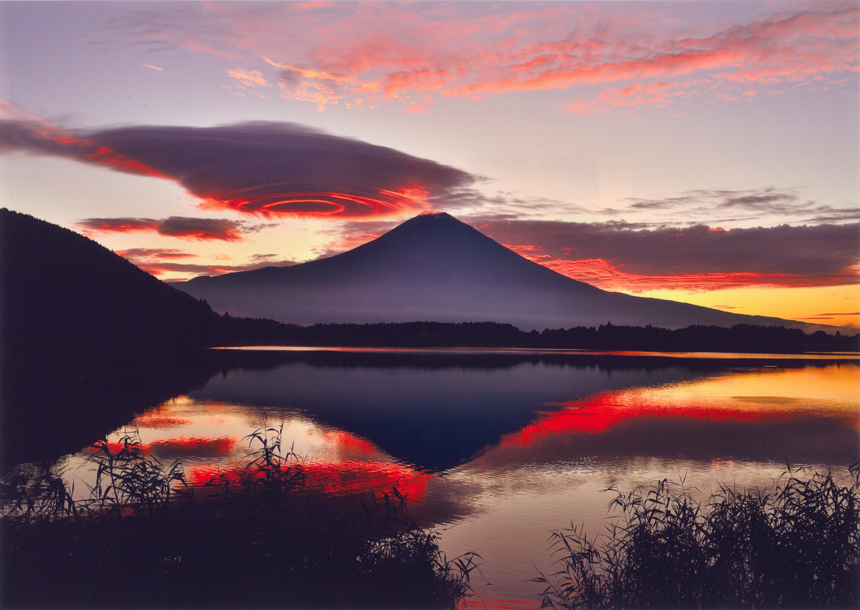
column 818, row 254
column 260, row 168
column 175, row 226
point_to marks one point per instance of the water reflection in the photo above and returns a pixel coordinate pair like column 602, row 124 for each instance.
column 497, row 451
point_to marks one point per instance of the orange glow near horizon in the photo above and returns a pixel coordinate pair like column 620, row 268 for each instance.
column 831, row 305
column 787, row 296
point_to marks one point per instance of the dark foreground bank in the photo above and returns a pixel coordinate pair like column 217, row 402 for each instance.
column 261, row 540
column 257, row 541
column 794, row 545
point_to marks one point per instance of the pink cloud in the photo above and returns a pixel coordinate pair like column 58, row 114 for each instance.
column 385, row 51
column 249, row 78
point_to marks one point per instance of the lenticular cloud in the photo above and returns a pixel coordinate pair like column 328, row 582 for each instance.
column 261, row 168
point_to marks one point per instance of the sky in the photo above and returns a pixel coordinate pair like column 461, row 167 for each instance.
column 705, row 152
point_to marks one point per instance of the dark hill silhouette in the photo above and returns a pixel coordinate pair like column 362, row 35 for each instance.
column 64, row 291
column 434, row 267
column 86, row 339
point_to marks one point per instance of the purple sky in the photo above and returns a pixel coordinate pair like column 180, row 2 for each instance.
column 699, row 151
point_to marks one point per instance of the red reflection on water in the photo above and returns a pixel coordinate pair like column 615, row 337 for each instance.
column 601, row 412
column 346, row 477
column 195, row 445
column 497, row 604
column 160, row 422
column 114, row 447
column 349, row 443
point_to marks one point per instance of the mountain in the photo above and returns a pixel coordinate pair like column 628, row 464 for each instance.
column 434, row 267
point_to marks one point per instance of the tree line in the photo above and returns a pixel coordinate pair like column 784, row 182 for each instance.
column 232, row 331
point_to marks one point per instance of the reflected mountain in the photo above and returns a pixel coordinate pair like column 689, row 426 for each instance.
column 434, row 411
column 434, row 267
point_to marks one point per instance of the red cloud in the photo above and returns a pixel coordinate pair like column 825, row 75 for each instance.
column 118, row 225
column 260, row 169
column 621, row 257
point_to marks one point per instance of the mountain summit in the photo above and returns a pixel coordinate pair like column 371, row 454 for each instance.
column 435, row 267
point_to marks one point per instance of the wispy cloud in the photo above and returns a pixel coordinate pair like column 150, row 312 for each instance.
column 648, row 53
column 249, row 78
column 160, row 262
column 767, row 202
column 262, row 169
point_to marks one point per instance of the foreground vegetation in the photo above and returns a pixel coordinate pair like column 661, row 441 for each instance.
column 142, row 539
column 796, row 545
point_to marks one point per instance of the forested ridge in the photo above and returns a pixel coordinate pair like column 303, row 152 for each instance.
column 740, row 338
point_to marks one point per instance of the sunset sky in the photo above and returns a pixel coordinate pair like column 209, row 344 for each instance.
column 706, row 152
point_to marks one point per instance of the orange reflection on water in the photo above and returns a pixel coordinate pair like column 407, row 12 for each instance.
column 756, row 396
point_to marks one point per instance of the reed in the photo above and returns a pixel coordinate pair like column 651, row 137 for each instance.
column 143, row 538
column 794, row 545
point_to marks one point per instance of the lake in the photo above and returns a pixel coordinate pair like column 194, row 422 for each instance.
column 495, row 449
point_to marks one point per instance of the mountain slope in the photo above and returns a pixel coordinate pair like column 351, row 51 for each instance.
column 61, row 290
column 434, row 267
column 86, row 340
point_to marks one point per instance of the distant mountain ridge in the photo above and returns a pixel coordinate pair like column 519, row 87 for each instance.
column 434, row 267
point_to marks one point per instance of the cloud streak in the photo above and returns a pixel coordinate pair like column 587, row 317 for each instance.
column 354, row 52
column 752, row 204
column 161, row 262
column 618, row 256
column 201, row 229
column 263, row 169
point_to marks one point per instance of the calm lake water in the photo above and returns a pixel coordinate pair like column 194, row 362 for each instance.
column 497, row 449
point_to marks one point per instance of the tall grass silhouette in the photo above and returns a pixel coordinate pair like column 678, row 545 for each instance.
column 143, row 538
column 794, row 545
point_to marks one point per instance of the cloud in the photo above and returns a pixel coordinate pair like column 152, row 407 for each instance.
column 659, row 93
column 753, row 203
column 262, row 169
column 154, row 253
column 202, row 229
column 620, row 256
column 249, row 78
column 158, row 262
column 391, row 51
